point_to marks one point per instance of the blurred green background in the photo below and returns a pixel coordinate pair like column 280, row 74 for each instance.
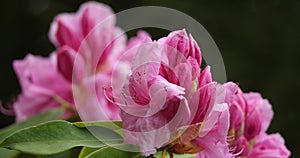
column 259, row 42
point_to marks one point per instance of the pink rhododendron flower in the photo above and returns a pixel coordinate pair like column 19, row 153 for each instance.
column 140, row 38
column 256, row 104
column 91, row 103
column 250, row 117
column 269, row 146
column 257, row 118
column 71, row 28
column 215, row 144
column 157, row 88
column 166, row 101
column 43, row 87
column 87, row 47
column 185, row 45
column 93, row 23
column 66, row 58
column 237, row 110
column 89, row 44
column 132, row 45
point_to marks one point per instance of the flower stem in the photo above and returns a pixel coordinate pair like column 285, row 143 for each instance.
column 164, row 153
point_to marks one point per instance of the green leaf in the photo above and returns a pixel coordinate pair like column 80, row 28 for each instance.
column 116, row 126
column 56, row 136
column 86, row 151
column 111, row 152
column 113, row 125
column 42, row 117
column 66, row 154
column 5, row 153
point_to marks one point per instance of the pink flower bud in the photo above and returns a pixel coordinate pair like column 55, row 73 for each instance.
column 184, row 44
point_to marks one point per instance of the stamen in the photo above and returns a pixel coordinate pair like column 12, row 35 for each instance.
column 111, row 98
column 117, row 100
column 232, row 149
column 230, row 138
column 238, row 153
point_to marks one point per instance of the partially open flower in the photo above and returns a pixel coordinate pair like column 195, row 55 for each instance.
column 89, row 44
column 269, row 146
column 90, row 32
column 44, row 88
column 250, row 116
column 167, row 103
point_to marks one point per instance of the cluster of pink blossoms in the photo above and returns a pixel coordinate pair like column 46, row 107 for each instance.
column 158, row 90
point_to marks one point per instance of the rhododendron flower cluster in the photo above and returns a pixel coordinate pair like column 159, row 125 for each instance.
column 166, row 99
column 47, row 82
column 155, row 87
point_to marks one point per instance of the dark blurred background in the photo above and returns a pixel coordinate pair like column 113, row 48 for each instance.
column 259, row 42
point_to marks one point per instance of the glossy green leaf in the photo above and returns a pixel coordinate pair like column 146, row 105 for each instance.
column 66, row 154
column 42, row 117
column 113, row 125
column 53, row 137
column 116, row 126
column 112, row 152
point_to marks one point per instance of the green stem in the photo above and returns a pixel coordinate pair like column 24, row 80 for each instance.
column 164, row 153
